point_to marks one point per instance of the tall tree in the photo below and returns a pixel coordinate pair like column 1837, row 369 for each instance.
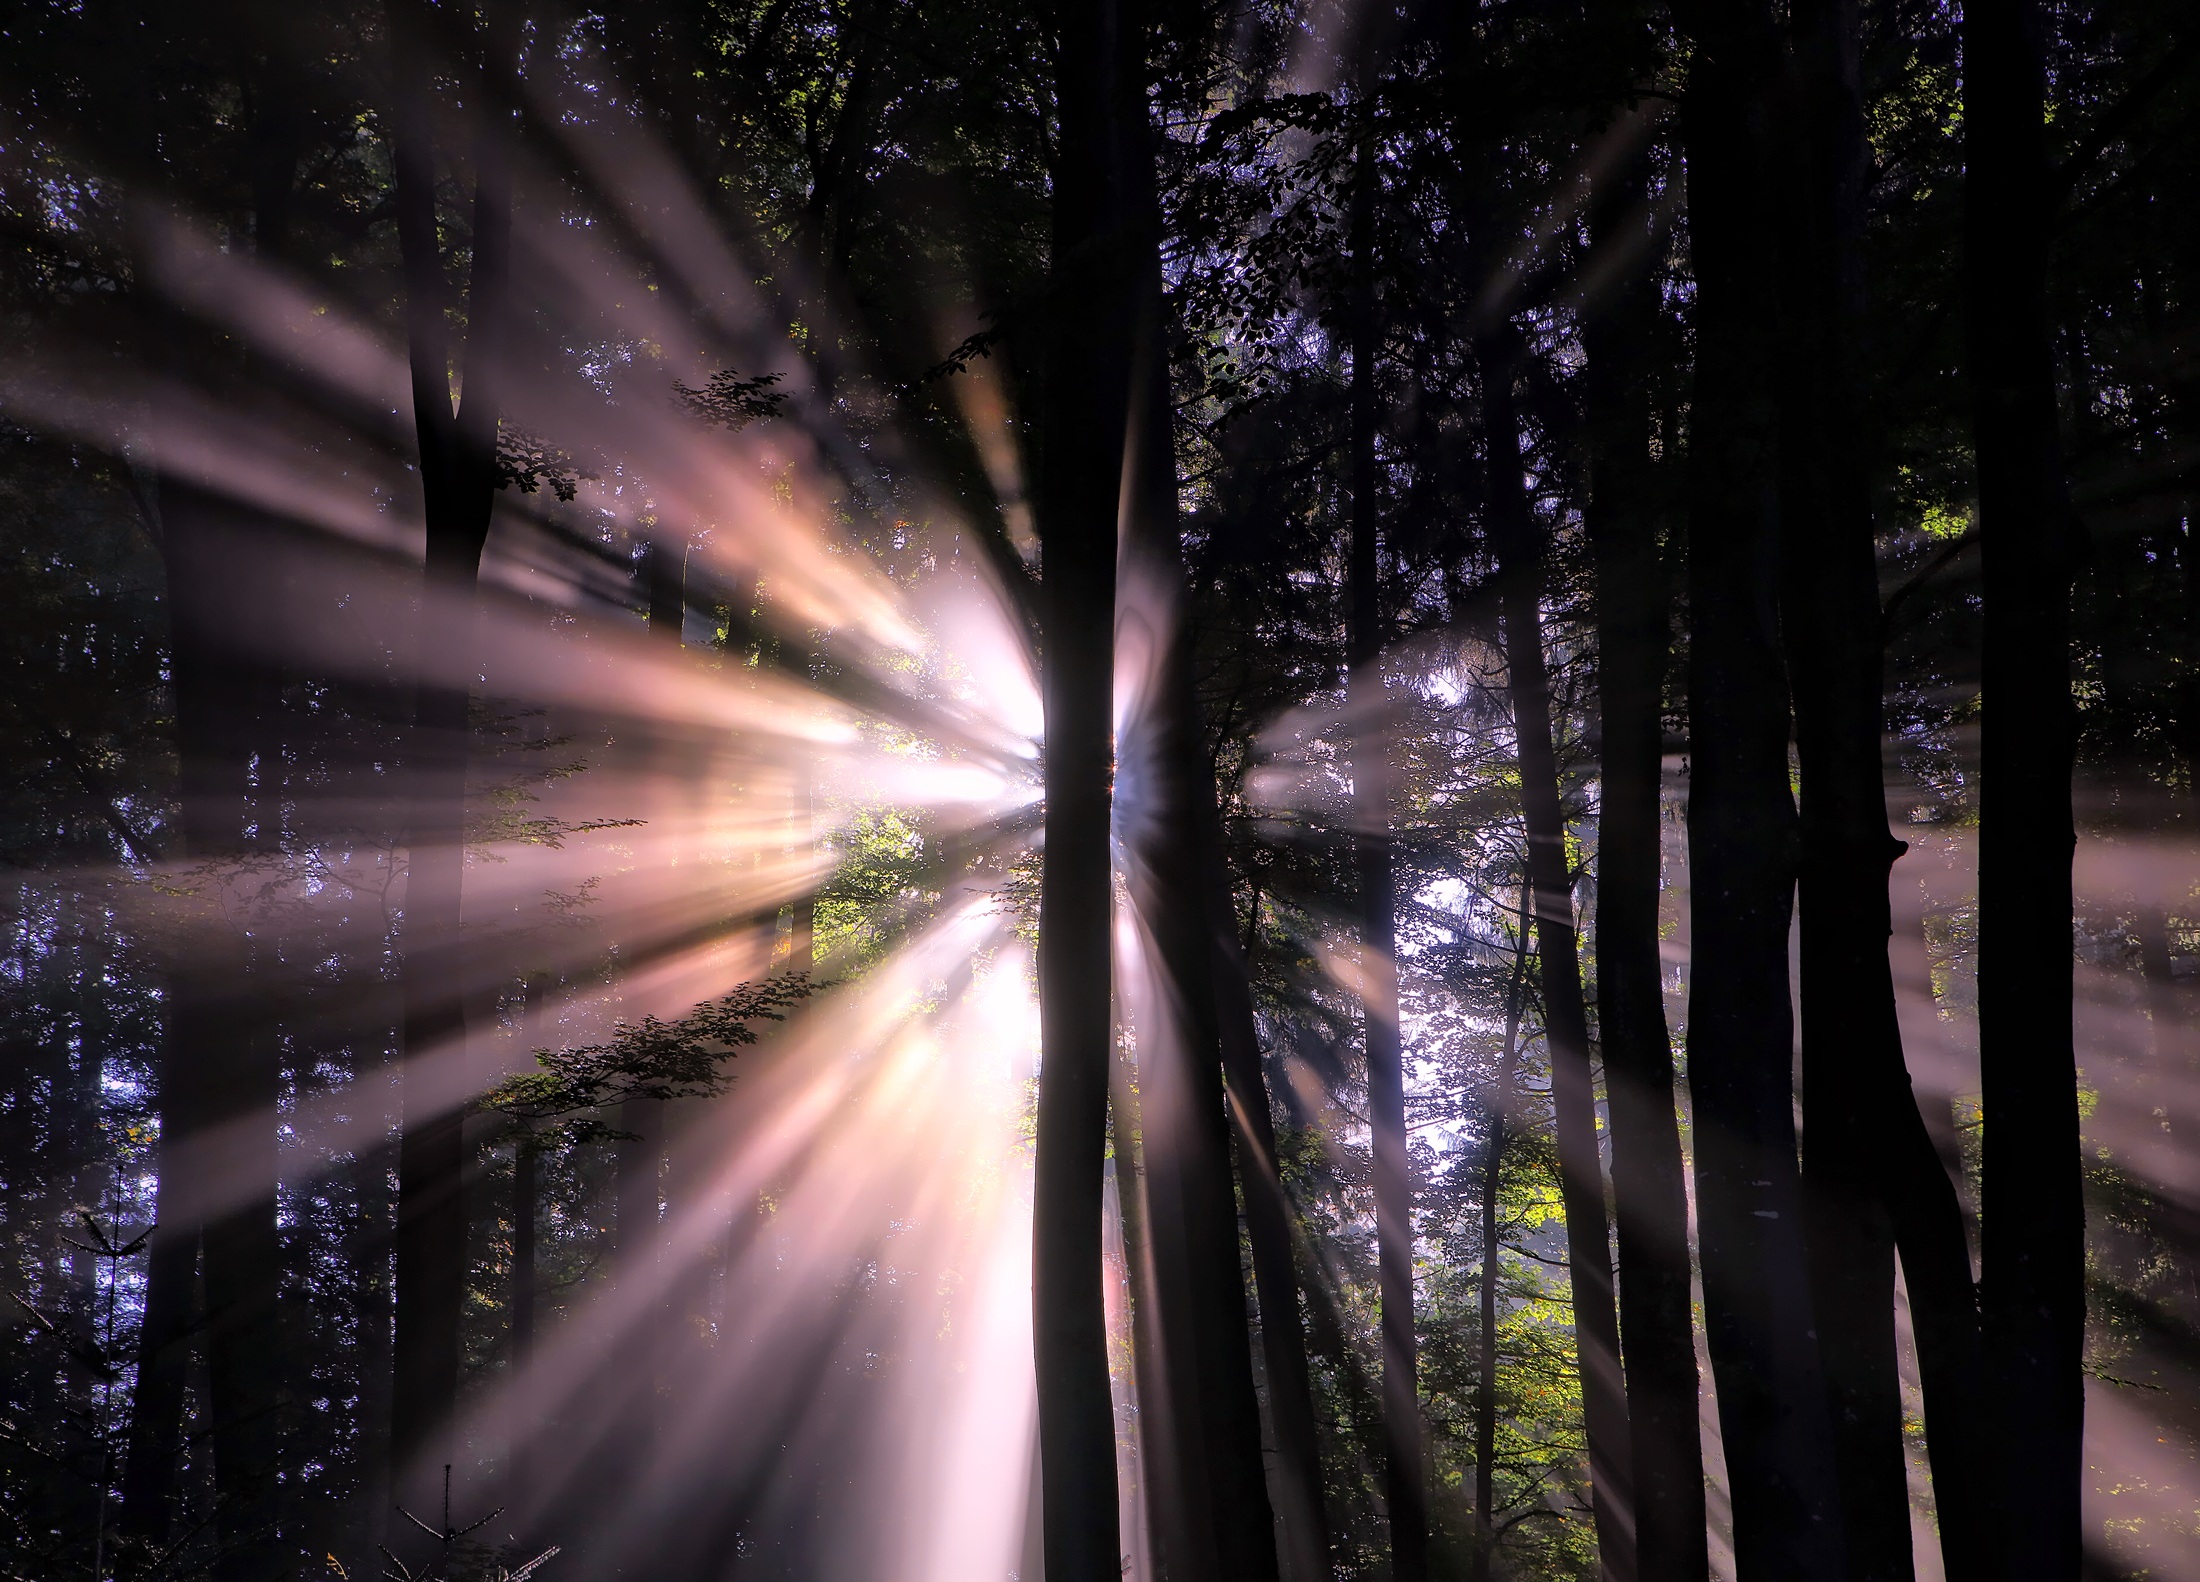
column 1405, row 1474
column 1742, row 832
column 1870, row 1171
column 1302, row 1506
column 1167, row 782
column 1084, row 415
column 2032, row 1208
column 458, row 481
column 1514, row 535
column 1492, row 1173
column 1649, row 1183
column 219, row 1076
column 222, row 1073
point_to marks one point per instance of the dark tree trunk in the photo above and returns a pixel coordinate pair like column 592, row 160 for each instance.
column 1495, row 1110
column 526, row 1205
column 1165, row 788
column 164, row 1340
column 1165, row 814
column 1149, row 1505
column 1302, row 1508
column 212, row 796
column 1743, row 838
column 1870, row 1172
column 458, row 484
column 1084, row 407
column 1405, row 1477
column 2032, row 1209
column 240, row 1251
column 241, row 1258
column 219, row 1063
column 1565, row 1011
column 1649, row 1185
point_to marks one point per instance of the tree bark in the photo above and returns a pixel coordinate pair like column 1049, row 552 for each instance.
column 1162, row 784
column 1084, row 412
column 457, row 452
column 1499, row 1105
column 2032, row 1209
column 1649, row 1186
column 1166, row 799
column 1301, row 1502
column 1742, row 837
column 214, row 807
column 220, row 1064
column 164, row 1340
column 1871, row 1175
column 1405, row 1476
column 1565, row 1011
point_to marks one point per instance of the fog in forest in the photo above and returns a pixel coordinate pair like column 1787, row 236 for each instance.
column 947, row 792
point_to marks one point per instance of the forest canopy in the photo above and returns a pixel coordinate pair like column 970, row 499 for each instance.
column 941, row 791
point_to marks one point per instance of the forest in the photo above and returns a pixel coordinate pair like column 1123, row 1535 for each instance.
column 1192, row 790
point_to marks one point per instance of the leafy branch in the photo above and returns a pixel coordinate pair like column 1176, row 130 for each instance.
column 562, row 1100
column 731, row 401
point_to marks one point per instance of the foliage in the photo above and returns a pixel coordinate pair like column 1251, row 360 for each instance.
column 684, row 1058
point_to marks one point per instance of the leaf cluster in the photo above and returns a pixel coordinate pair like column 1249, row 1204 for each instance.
column 561, row 1102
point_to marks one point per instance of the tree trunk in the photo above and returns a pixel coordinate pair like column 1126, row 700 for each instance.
column 1495, row 1110
column 1152, row 1505
column 1166, row 807
column 164, row 1341
column 458, row 485
column 1742, row 838
column 1301, row 1505
column 2032, row 1210
column 1871, row 1175
column 1212, row 1408
column 1649, row 1186
column 643, row 1150
column 1083, row 418
column 219, row 1065
column 1405, row 1477
column 1565, row 1011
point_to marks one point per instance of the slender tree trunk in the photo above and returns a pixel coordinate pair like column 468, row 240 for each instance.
column 1405, row 1477
column 1871, row 1175
column 458, row 484
column 1084, row 409
column 219, row 1065
column 241, row 1258
column 644, row 1152
column 1495, row 1112
column 1166, row 803
column 156, row 1408
column 1649, row 1186
column 1300, row 1499
column 1743, row 839
column 526, row 1203
column 240, row 1251
column 2032, row 1213
column 1153, row 1504
column 519, row 1301
column 1558, row 954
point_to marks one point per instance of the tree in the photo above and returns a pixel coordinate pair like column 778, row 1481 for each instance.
column 1550, row 883
column 458, row 481
column 2033, row 1292
column 1870, row 1171
column 1742, row 836
column 1085, row 406
column 1624, row 512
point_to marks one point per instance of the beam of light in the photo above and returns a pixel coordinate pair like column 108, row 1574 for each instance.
column 885, row 1126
